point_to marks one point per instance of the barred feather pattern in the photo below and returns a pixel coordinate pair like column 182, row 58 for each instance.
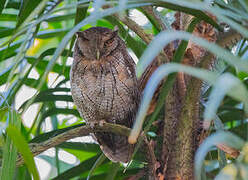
column 104, row 87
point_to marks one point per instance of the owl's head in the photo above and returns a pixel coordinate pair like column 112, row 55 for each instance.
column 97, row 42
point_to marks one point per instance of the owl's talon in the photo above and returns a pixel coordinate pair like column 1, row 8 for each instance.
column 92, row 124
column 101, row 123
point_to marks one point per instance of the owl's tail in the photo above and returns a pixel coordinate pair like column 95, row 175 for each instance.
column 115, row 147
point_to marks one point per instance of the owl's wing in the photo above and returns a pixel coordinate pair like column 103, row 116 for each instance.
column 130, row 64
column 134, row 91
column 116, row 147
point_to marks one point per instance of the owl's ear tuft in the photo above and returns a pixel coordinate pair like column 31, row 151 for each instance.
column 115, row 31
column 82, row 35
column 116, row 28
column 79, row 33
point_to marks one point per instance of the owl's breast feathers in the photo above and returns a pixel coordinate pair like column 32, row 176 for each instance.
column 108, row 86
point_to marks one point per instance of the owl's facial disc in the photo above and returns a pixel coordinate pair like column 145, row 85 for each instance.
column 103, row 44
column 97, row 43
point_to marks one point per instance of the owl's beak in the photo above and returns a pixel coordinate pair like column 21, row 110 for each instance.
column 97, row 54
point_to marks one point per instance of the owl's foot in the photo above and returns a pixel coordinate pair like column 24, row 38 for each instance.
column 102, row 122
column 95, row 123
column 92, row 124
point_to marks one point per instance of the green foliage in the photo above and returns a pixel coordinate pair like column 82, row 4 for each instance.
column 8, row 149
column 22, row 147
column 36, row 41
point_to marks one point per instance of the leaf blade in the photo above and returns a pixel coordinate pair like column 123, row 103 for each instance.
column 23, row 148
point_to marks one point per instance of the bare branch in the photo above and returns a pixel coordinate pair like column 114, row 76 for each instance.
column 147, row 38
column 162, row 57
column 139, row 175
column 152, row 161
column 134, row 27
column 152, row 12
column 37, row 148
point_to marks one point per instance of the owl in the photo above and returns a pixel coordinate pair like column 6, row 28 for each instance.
column 104, row 87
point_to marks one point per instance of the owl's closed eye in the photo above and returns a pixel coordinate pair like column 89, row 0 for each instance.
column 99, row 45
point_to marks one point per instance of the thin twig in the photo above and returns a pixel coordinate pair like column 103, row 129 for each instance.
column 139, row 175
column 152, row 162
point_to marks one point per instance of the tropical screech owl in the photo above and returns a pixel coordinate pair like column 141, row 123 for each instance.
column 104, row 87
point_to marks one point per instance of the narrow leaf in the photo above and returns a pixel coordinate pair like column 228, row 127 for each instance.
column 23, row 148
column 2, row 3
column 9, row 150
column 226, row 138
column 225, row 84
column 163, row 38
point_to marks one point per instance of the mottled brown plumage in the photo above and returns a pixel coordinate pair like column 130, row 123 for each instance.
column 104, row 87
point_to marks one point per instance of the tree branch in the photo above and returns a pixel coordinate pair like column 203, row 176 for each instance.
column 162, row 57
column 37, row 148
column 147, row 38
column 152, row 13
column 152, row 161
column 134, row 27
